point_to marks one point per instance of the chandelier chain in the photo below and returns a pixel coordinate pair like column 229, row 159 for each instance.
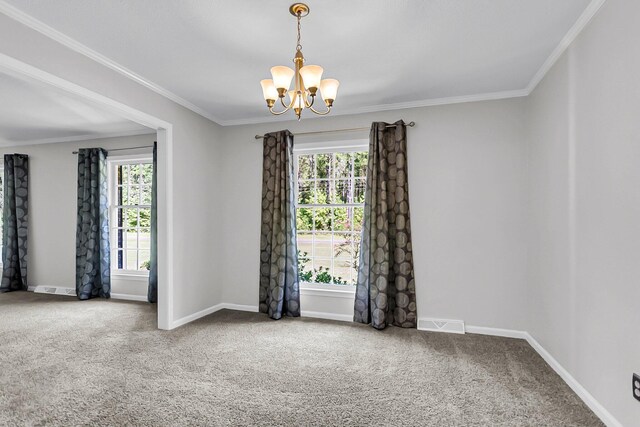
column 299, row 46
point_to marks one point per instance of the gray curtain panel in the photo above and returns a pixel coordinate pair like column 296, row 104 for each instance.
column 279, row 289
column 16, row 225
column 385, row 292
column 93, row 258
column 152, row 292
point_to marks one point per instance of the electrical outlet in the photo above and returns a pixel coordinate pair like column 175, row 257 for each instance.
column 636, row 386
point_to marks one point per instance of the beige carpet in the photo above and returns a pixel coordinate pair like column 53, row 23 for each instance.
column 66, row 362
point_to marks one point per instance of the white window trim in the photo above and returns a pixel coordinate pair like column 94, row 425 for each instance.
column 348, row 146
column 112, row 162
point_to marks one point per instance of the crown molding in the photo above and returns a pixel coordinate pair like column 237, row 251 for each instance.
column 75, row 138
column 39, row 26
column 389, row 107
column 586, row 17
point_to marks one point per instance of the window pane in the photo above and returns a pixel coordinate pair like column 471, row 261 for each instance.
column 147, row 173
column 129, row 217
column 359, row 190
column 124, row 174
column 305, row 167
column 134, row 174
column 146, row 194
column 121, row 195
column 119, row 259
column 306, row 192
column 322, row 270
column 322, row 192
column 342, row 272
column 322, row 218
column 322, row 245
column 358, row 218
column 305, row 271
column 341, row 220
column 120, row 239
column 132, row 260
column 145, row 217
column 143, row 260
column 323, row 164
column 360, row 164
column 144, row 238
column 132, row 196
column 132, row 239
column 305, row 242
column 342, row 165
column 304, row 219
column 341, row 191
column 342, row 246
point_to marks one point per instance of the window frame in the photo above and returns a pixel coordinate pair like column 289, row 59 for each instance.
column 326, row 147
column 113, row 161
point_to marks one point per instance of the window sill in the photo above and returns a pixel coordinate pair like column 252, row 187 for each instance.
column 130, row 276
column 333, row 291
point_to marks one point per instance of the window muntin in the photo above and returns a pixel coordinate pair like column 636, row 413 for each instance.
column 130, row 210
column 329, row 212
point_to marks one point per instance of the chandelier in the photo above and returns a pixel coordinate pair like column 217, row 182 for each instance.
column 307, row 80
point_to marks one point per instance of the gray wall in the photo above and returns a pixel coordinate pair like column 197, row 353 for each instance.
column 53, row 181
column 467, row 178
column 584, row 126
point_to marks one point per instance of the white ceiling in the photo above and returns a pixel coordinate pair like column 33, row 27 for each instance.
column 32, row 113
column 386, row 53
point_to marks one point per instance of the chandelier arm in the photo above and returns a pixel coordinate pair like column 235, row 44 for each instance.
column 307, row 103
column 277, row 113
column 286, row 108
column 320, row 113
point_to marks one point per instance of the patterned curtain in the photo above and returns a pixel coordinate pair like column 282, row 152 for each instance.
column 385, row 292
column 279, row 290
column 152, row 292
column 93, row 260
column 15, row 219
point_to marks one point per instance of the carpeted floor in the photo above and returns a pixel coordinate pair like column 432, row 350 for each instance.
column 66, row 362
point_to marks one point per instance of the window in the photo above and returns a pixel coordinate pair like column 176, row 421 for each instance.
column 329, row 211
column 130, row 214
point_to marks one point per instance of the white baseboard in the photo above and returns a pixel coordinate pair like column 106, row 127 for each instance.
column 329, row 316
column 604, row 415
column 191, row 317
column 128, row 297
column 240, row 307
column 497, row 332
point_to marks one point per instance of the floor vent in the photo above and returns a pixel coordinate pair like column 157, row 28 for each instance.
column 441, row 325
column 54, row 290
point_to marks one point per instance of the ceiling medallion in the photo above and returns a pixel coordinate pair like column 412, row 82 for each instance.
column 306, row 78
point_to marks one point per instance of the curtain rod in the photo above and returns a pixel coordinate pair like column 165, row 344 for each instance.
column 120, row 149
column 410, row 124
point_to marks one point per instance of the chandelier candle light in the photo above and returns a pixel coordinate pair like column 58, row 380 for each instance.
column 307, row 80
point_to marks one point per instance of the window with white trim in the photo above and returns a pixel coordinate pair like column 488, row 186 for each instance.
column 329, row 211
column 130, row 214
